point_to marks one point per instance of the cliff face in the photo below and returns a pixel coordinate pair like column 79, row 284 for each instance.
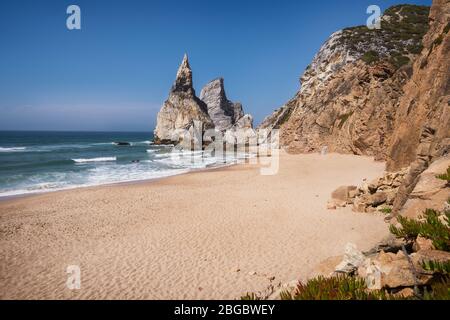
column 422, row 126
column 223, row 112
column 181, row 109
column 354, row 113
column 350, row 92
column 424, row 109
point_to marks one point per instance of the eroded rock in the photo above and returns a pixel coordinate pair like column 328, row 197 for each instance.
column 353, row 258
column 223, row 112
column 422, row 243
column 181, row 110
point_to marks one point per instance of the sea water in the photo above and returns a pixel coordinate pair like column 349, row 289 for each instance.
column 32, row 162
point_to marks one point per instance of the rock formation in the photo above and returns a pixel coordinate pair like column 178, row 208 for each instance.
column 350, row 92
column 429, row 192
column 383, row 93
column 228, row 117
column 375, row 196
column 223, row 112
column 425, row 104
column 422, row 126
column 184, row 111
column 181, row 110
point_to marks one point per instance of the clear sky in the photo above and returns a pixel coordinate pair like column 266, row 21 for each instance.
column 115, row 73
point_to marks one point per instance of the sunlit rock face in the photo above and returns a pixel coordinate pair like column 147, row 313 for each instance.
column 228, row 117
column 223, row 112
column 181, row 109
column 350, row 93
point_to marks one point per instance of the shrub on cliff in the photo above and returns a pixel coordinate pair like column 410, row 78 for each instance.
column 370, row 57
column 401, row 33
column 432, row 225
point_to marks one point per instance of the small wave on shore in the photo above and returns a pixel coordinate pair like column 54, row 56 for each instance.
column 101, row 159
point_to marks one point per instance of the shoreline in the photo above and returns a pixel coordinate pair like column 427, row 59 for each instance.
column 213, row 234
column 109, row 184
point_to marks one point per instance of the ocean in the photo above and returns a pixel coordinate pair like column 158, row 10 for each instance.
column 33, row 162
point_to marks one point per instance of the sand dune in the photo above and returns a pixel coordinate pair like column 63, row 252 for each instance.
column 184, row 237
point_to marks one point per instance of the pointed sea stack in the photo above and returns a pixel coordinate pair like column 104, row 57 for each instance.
column 181, row 109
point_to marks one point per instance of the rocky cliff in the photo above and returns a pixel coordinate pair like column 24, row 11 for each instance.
column 223, row 112
column 424, row 108
column 181, row 109
column 350, row 92
column 184, row 111
column 422, row 126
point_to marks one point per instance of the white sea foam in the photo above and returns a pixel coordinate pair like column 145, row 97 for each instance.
column 96, row 177
column 161, row 163
column 12, row 149
column 103, row 175
column 162, row 155
column 102, row 159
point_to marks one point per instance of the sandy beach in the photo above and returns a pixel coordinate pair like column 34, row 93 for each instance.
column 185, row 237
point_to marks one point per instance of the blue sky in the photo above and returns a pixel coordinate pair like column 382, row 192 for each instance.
column 115, row 73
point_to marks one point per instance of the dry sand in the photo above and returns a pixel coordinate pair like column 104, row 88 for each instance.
column 184, row 237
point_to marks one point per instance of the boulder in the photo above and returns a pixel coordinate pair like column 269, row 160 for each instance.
column 426, row 255
column 422, row 243
column 369, row 202
column 397, row 274
column 343, row 193
column 353, row 193
column 352, row 259
column 376, row 199
column 429, row 192
column 373, row 186
column 390, row 271
column 359, row 205
column 371, row 274
column 428, row 185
